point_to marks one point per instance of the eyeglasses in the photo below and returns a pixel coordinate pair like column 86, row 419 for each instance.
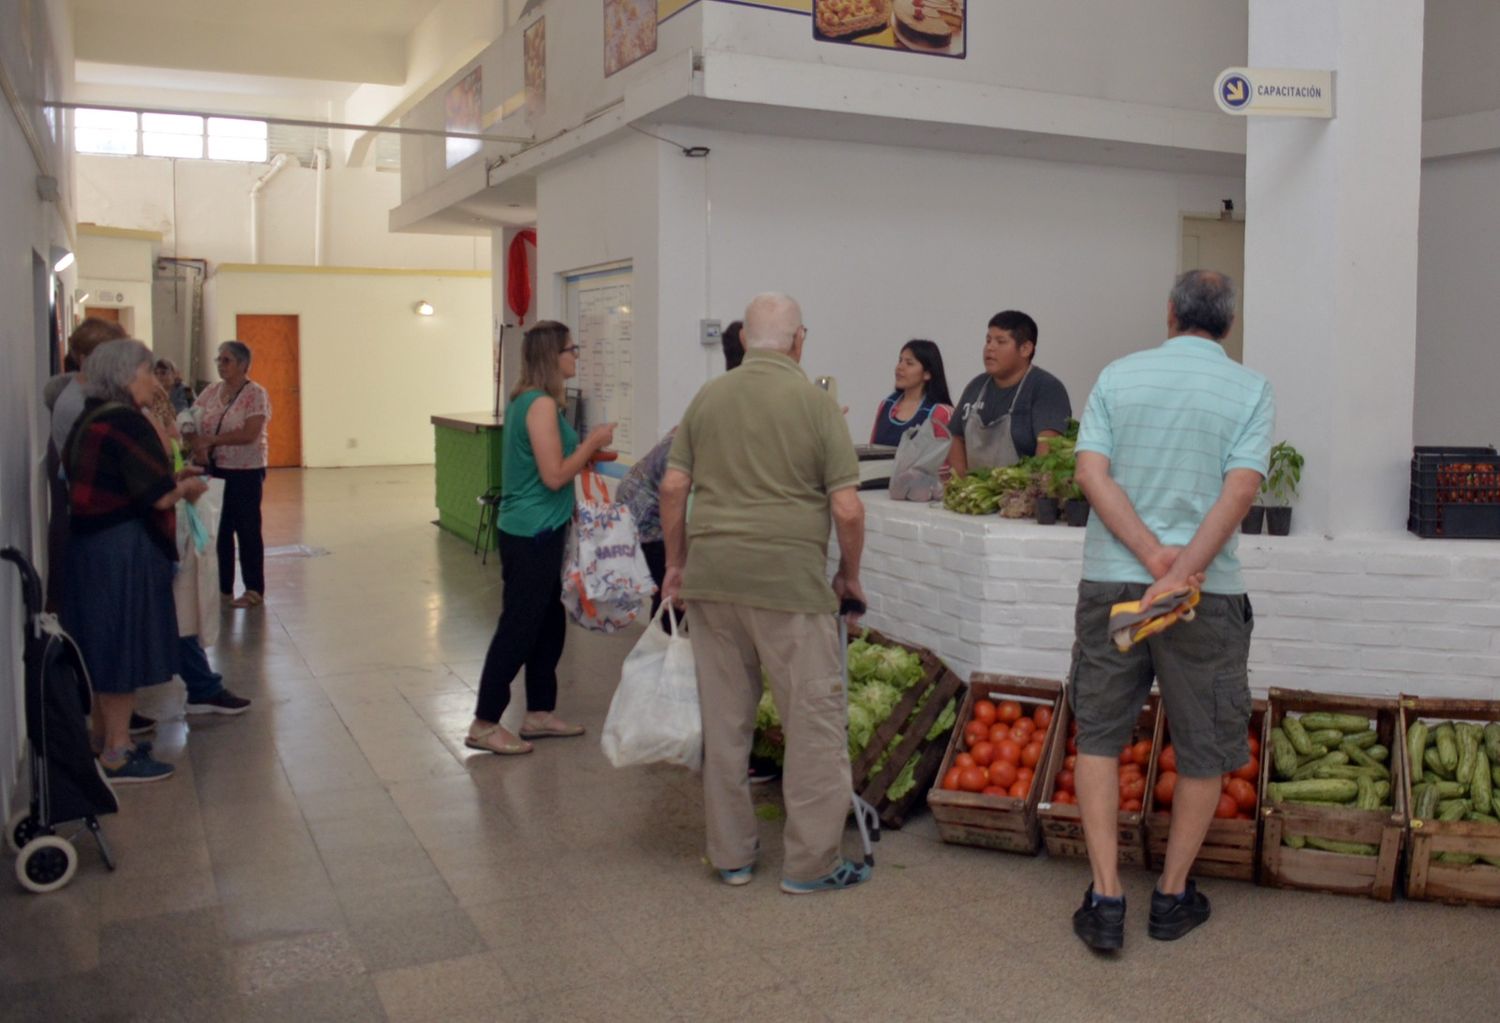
column 224, row 358
column 570, row 350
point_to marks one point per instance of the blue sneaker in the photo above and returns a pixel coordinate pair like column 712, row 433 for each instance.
column 738, row 876
column 138, row 767
column 846, row 875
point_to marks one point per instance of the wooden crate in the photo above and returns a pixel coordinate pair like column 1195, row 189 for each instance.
column 1281, row 866
column 1006, row 823
column 1229, row 849
column 1426, row 876
column 1062, row 824
column 912, row 725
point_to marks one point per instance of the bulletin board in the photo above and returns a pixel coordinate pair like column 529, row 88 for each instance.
column 599, row 309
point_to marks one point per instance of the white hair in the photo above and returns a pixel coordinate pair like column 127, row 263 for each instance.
column 112, row 367
column 771, row 322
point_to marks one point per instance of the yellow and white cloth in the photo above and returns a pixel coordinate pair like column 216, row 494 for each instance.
column 1135, row 621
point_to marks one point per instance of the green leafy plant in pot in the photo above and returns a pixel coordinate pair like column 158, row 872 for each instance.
column 1279, row 489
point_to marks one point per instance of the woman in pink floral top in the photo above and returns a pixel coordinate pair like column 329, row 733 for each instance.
column 231, row 441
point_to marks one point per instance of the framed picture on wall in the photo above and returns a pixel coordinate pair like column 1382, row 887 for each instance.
column 629, row 33
column 534, row 49
column 461, row 112
column 935, row 27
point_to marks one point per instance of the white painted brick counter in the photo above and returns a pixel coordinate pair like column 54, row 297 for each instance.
column 1363, row 615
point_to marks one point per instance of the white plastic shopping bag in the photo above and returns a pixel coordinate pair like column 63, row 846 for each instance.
column 196, row 585
column 605, row 577
column 655, row 717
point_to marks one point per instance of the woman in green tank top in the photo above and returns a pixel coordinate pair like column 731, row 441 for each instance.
column 541, row 456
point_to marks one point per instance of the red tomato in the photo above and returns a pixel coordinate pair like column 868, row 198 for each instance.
column 1065, row 780
column 1031, row 753
column 983, row 753
column 984, row 711
column 1024, row 725
column 950, row 780
column 992, row 790
column 975, row 732
column 1021, row 735
column 1025, row 774
column 1131, row 770
column 1166, row 787
column 1021, row 789
column 1168, row 759
column 999, row 732
column 1070, row 763
column 1224, row 783
column 973, row 779
column 1008, row 750
column 1254, row 745
column 964, row 760
column 1141, row 752
column 1132, row 788
column 1073, row 727
column 1250, row 772
column 1043, row 717
column 1072, row 744
column 1243, row 816
column 1131, row 806
column 1127, row 756
column 1064, row 798
column 1227, row 807
column 1009, row 710
column 1003, row 773
column 1242, row 792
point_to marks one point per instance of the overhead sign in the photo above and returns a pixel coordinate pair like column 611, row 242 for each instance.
column 1274, row 92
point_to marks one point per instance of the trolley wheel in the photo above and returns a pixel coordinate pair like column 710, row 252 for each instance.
column 20, row 829
column 46, row 864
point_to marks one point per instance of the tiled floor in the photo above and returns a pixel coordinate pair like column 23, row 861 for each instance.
column 336, row 854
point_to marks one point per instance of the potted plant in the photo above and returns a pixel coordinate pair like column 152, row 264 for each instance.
column 1255, row 520
column 1076, row 510
column 1280, row 487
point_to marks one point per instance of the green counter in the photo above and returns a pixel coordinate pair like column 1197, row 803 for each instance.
column 468, row 463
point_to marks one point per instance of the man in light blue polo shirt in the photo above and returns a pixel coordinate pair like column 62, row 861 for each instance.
column 1171, row 451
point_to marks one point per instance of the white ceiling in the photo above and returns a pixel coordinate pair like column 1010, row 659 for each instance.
column 294, row 17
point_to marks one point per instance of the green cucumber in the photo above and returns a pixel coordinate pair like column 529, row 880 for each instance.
column 1456, row 858
column 1330, row 737
column 1283, row 753
column 1347, row 723
column 1297, row 734
column 1447, row 746
column 1295, row 841
column 1424, row 801
column 1454, row 809
column 1416, row 744
column 1364, row 739
column 1349, row 771
column 1378, row 753
column 1366, row 798
column 1347, row 848
column 1482, row 818
column 1480, row 789
column 1383, row 792
column 1469, row 736
column 1495, row 772
column 1434, row 763
column 1492, row 742
column 1450, row 789
column 1360, row 758
column 1314, row 753
column 1333, row 790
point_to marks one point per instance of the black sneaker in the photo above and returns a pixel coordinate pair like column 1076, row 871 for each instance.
column 222, row 702
column 1100, row 926
column 763, row 770
column 140, row 724
column 1172, row 916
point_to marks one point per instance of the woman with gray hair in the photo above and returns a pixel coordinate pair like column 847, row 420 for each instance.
column 170, row 378
column 231, row 441
column 118, row 599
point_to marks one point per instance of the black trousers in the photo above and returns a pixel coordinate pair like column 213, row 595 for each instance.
column 655, row 552
column 241, row 521
column 532, row 624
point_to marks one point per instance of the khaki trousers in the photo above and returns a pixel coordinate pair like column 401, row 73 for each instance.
column 800, row 653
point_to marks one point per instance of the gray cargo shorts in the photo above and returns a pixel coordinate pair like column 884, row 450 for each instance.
column 1201, row 666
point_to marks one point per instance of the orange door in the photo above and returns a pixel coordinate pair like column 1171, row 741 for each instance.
column 276, row 365
column 106, row 312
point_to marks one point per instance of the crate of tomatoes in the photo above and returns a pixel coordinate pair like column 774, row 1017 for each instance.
column 988, row 790
column 1333, row 793
column 1229, row 847
column 1062, row 824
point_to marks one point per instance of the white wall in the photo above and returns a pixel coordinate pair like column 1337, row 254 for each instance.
column 121, row 266
column 372, row 370
column 1458, row 303
column 202, row 211
column 36, row 58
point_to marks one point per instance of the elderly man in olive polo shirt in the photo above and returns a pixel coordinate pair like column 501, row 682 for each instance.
column 771, row 466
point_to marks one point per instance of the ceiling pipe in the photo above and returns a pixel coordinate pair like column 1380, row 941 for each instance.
column 277, row 163
column 320, row 166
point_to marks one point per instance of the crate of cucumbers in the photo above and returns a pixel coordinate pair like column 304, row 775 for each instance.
column 1333, row 793
column 1452, row 753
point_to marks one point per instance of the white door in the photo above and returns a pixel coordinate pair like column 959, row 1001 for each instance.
column 1209, row 243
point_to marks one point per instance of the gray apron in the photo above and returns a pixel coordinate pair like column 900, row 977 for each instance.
column 993, row 447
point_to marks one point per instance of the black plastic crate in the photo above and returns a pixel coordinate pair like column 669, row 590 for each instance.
column 1455, row 493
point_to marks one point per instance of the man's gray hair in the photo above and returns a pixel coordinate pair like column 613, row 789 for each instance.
column 1204, row 300
column 112, row 367
column 771, row 322
column 239, row 350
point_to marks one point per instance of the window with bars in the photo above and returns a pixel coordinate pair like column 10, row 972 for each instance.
column 179, row 136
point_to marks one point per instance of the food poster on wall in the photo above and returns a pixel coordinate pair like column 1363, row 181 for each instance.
column 606, row 374
column 462, row 112
column 938, row 27
column 535, row 50
column 629, row 32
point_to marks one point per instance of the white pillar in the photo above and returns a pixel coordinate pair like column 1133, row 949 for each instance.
column 1331, row 254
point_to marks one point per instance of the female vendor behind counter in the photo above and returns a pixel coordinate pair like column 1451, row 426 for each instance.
column 1008, row 411
column 921, row 391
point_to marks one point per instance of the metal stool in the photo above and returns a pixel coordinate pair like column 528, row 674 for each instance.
column 489, row 509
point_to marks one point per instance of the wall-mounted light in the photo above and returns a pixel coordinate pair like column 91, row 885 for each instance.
column 80, row 296
column 61, row 259
column 423, row 308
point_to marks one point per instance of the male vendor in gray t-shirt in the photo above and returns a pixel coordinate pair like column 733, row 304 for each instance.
column 1007, row 412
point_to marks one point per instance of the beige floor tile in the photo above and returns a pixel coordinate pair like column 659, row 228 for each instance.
column 277, row 963
column 471, row 988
